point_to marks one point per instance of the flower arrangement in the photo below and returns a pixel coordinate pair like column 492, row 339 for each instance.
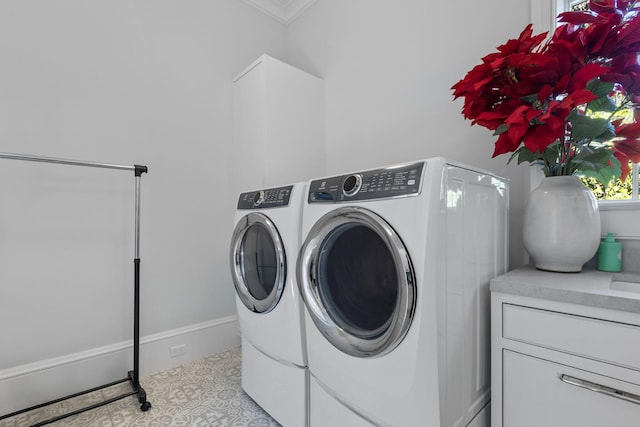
column 570, row 103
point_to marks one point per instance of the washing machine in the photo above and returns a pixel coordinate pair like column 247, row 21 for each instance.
column 264, row 246
column 394, row 272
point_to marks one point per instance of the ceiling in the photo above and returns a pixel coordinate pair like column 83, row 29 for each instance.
column 284, row 11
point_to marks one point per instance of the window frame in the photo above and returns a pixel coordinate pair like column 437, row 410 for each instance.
column 618, row 217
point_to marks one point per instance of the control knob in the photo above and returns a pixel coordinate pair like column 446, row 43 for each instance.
column 258, row 198
column 352, row 185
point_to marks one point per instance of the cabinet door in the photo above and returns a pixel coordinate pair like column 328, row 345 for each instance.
column 249, row 129
column 535, row 396
column 278, row 125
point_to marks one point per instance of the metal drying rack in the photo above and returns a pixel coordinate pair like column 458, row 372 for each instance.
column 133, row 375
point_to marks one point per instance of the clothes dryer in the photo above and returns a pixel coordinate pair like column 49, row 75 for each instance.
column 394, row 272
column 264, row 246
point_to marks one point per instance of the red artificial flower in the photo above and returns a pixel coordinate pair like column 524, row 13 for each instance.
column 628, row 148
column 534, row 93
column 628, row 130
column 625, row 71
column 489, row 84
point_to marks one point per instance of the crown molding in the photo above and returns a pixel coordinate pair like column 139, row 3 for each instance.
column 285, row 11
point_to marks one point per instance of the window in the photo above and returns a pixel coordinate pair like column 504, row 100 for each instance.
column 577, row 5
column 618, row 216
column 618, row 190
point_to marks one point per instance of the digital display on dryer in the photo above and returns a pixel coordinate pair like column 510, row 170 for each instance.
column 382, row 183
column 264, row 199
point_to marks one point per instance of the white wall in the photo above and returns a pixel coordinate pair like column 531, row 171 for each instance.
column 125, row 81
column 149, row 82
column 388, row 68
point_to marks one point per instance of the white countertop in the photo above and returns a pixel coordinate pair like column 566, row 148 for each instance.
column 590, row 287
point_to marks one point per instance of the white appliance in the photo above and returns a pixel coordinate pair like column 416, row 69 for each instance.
column 394, row 272
column 263, row 251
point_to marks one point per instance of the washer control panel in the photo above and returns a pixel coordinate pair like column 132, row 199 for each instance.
column 395, row 181
column 265, row 199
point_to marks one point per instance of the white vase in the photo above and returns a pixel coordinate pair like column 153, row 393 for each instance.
column 561, row 228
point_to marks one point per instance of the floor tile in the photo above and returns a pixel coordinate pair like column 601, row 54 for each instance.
column 205, row 393
column 99, row 417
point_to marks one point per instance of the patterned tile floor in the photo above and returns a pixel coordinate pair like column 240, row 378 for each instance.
column 203, row 393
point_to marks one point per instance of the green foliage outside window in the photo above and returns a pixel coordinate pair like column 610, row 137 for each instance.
column 618, row 190
column 579, row 6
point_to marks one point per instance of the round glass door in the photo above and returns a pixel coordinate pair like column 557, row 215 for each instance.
column 258, row 263
column 357, row 281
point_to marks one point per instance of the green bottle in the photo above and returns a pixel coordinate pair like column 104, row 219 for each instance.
column 610, row 255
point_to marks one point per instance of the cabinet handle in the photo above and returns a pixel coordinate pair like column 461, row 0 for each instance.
column 599, row 388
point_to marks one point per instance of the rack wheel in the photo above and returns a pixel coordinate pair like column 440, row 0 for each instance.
column 145, row 406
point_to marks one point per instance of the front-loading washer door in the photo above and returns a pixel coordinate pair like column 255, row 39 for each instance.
column 258, row 262
column 357, row 281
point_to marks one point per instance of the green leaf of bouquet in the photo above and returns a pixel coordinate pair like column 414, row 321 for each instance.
column 596, row 159
column 501, row 129
column 513, row 156
column 604, row 176
column 600, row 165
column 523, row 154
column 604, row 103
column 608, row 134
column 531, row 99
column 526, row 155
column 595, row 175
column 584, row 127
column 600, row 88
column 551, row 153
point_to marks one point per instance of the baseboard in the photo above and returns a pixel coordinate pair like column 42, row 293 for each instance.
column 34, row 383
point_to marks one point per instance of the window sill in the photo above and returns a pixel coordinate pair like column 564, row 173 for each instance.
column 619, row 205
column 620, row 218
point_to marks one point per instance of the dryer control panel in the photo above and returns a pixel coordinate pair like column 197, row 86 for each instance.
column 265, row 199
column 394, row 181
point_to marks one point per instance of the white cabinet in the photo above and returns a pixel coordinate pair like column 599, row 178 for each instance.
column 565, row 364
column 278, row 127
column 539, row 392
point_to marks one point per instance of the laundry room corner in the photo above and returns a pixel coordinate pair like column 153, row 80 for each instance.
column 123, row 82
